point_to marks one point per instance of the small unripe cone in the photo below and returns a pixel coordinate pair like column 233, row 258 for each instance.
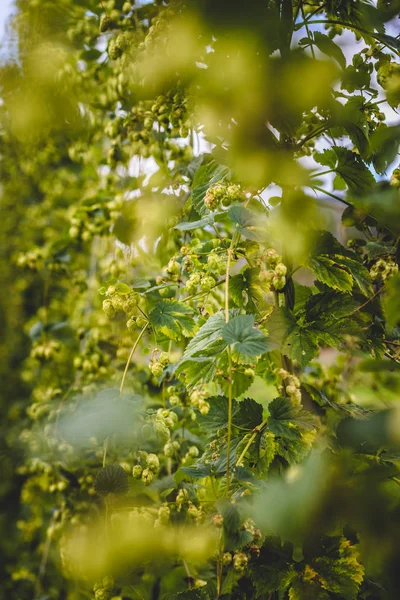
column 156, row 369
column 141, row 322
column 193, row 452
column 137, row 471
column 147, row 476
column 164, row 359
column 153, row 463
column 108, row 308
column 280, row 269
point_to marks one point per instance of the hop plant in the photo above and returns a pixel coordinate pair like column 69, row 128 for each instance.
column 383, row 269
column 395, row 178
column 156, row 369
column 147, row 476
column 240, row 561
column 153, row 462
column 108, row 308
column 106, row 23
column 137, row 472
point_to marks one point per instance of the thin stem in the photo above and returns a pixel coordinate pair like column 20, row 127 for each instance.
column 319, row 174
column 365, row 303
column 230, row 398
column 314, row 187
column 391, row 343
column 135, row 345
column 256, row 431
column 188, row 574
column 314, row 12
column 105, row 446
column 137, row 593
column 230, row 401
column 351, row 26
column 201, row 294
column 228, row 266
column 317, row 131
column 45, row 557
column 308, row 33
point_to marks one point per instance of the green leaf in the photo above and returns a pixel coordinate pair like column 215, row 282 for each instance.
column 140, row 284
column 240, row 384
column 230, row 513
column 247, row 291
column 173, row 319
column 243, row 337
column 371, row 365
column 294, row 450
column 189, row 225
column 328, row 307
column 359, row 273
column 246, row 414
column 335, row 563
column 249, row 224
column 349, row 166
column 384, row 147
column 122, row 288
column 193, row 472
column 304, row 589
column 375, row 249
column 383, row 205
column 209, row 335
column 89, row 55
column 285, row 418
column 111, row 480
column 124, row 229
column 336, row 266
column 295, row 341
column 274, row 569
column 354, row 121
column 328, row 47
column 197, row 370
column 301, row 344
column 392, row 302
column 331, row 273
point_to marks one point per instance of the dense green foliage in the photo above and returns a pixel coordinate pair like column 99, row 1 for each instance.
column 200, row 314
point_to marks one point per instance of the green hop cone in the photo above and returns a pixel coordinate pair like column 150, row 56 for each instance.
column 153, row 463
column 108, row 582
column 168, row 449
column 240, row 561
column 141, row 322
column 108, row 308
column 280, row 269
column 147, row 476
column 156, row 369
column 193, row 452
column 164, row 359
column 106, row 23
column 207, row 283
column 131, row 324
column 137, row 472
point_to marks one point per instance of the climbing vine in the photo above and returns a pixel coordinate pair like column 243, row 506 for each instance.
column 200, row 224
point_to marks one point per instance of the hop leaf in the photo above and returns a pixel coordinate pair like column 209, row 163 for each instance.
column 349, row 166
column 111, row 480
column 241, row 334
column 173, row 319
